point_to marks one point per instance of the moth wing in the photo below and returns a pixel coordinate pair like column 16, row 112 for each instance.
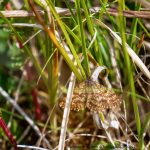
column 79, row 98
column 101, row 98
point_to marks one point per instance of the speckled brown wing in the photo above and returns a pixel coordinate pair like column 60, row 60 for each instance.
column 79, row 98
column 100, row 98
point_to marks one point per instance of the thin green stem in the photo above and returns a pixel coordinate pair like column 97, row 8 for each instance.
column 79, row 18
column 129, row 69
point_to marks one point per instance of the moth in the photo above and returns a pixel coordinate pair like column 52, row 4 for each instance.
column 92, row 95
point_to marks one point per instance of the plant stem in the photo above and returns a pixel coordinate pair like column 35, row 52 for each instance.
column 8, row 133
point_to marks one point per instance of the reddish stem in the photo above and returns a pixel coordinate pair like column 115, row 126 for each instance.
column 38, row 112
column 20, row 44
column 36, row 105
column 8, row 134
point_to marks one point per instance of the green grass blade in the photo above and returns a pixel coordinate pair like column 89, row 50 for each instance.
column 92, row 32
column 40, row 4
column 74, row 17
column 102, row 10
column 134, row 26
column 41, row 43
column 74, row 35
column 110, row 17
column 79, row 18
column 140, row 23
column 51, row 6
column 129, row 69
column 145, row 124
column 49, row 51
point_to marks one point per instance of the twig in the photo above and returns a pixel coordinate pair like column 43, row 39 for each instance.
column 66, row 12
column 80, row 125
column 127, row 88
column 25, row 133
column 32, row 147
column 133, row 122
column 108, row 135
column 18, row 108
column 127, row 125
column 143, row 89
column 66, row 112
column 99, row 136
column 16, row 98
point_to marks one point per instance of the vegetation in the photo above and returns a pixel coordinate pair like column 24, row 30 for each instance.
column 38, row 52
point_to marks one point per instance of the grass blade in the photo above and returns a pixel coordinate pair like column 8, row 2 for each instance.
column 81, row 30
